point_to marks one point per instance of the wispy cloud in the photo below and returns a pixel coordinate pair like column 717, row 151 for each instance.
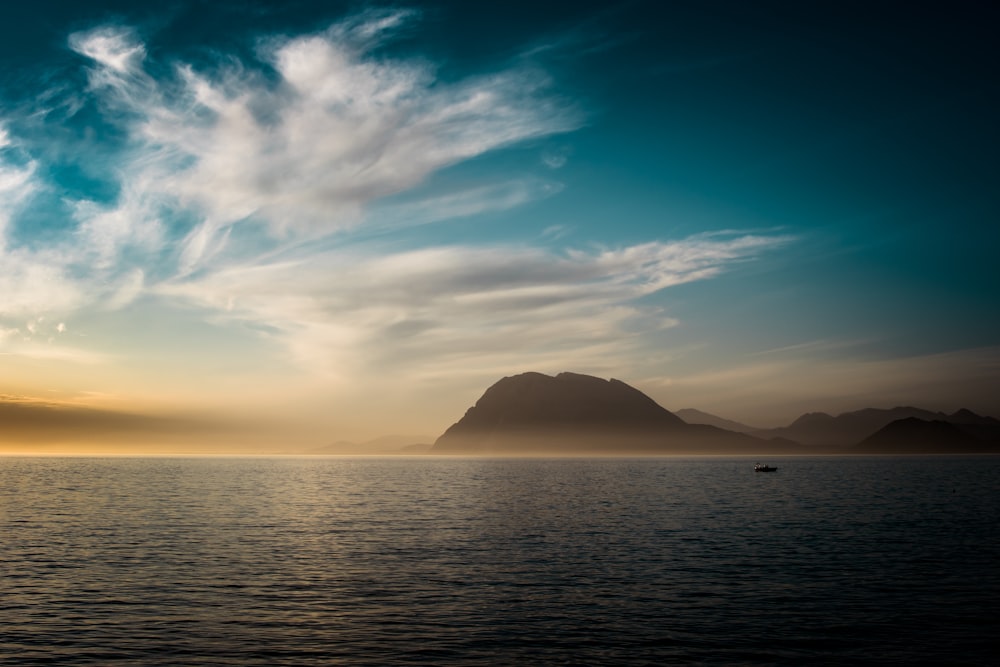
column 815, row 347
column 16, row 181
column 423, row 308
column 248, row 189
column 555, row 158
column 39, row 338
column 55, row 273
column 115, row 49
column 466, row 203
column 305, row 154
column 294, row 146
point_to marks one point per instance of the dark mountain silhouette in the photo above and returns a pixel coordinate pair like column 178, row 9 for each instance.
column 965, row 416
column 694, row 416
column 918, row 436
column 978, row 426
column 533, row 413
column 819, row 428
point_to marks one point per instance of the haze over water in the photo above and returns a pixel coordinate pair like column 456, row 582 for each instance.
column 295, row 561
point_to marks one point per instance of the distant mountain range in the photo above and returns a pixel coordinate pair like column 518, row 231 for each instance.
column 849, row 428
column 570, row 413
column 693, row 416
column 861, row 427
column 918, row 436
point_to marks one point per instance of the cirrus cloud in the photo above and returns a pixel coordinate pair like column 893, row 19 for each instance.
column 304, row 141
column 244, row 188
column 427, row 310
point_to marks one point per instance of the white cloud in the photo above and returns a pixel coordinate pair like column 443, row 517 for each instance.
column 297, row 156
column 225, row 170
column 32, row 280
column 104, row 233
column 30, row 284
column 462, row 204
column 16, row 186
column 126, row 290
column 425, row 309
column 115, row 48
column 308, row 154
column 60, row 274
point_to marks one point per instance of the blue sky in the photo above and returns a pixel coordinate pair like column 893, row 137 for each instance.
column 352, row 218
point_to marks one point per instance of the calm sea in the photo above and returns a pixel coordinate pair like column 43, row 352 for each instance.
column 386, row 561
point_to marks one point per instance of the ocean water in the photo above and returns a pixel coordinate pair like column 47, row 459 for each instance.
column 386, row 561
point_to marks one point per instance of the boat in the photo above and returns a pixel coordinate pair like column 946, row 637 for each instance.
column 763, row 467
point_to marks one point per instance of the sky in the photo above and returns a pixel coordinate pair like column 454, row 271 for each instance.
column 265, row 225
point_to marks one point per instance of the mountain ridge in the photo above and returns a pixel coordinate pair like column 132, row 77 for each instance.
column 847, row 428
column 912, row 435
column 573, row 413
column 695, row 416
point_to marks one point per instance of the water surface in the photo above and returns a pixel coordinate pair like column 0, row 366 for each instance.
column 299, row 561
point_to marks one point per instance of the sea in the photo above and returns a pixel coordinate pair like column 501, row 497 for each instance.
column 472, row 561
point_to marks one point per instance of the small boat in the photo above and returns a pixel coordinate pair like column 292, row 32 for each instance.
column 763, row 467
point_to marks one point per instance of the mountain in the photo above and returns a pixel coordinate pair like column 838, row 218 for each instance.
column 983, row 428
column 693, row 416
column 569, row 413
column 819, row 428
column 965, row 416
column 918, row 436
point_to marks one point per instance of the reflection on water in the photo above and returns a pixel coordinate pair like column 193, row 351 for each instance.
column 470, row 561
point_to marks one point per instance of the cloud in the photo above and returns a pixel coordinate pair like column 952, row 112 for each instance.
column 555, row 158
column 112, row 47
column 34, row 278
column 246, row 156
column 35, row 339
column 17, row 182
column 305, row 151
column 33, row 283
column 57, row 273
column 462, row 204
column 421, row 310
column 128, row 290
column 246, row 188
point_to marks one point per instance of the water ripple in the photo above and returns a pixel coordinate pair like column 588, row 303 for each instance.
column 468, row 561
